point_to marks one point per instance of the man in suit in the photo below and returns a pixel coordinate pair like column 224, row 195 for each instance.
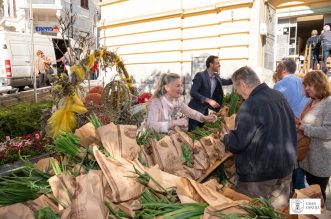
column 206, row 91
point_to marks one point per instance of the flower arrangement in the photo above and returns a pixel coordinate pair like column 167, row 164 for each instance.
column 144, row 97
column 29, row 145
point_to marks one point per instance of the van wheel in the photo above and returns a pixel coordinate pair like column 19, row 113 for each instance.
column 21, row 88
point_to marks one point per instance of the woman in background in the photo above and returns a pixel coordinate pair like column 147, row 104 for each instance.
column 316, row 124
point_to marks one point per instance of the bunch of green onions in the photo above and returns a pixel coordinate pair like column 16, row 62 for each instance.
column 15, row 189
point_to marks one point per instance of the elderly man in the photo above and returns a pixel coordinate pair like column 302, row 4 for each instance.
column 264, row 140
column 291, row 87
column 325, row 39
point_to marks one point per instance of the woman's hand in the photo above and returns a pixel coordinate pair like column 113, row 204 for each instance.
column 178, row 122
column 209, row 118
column 299, row 124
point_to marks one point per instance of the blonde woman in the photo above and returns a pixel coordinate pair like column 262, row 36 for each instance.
column 166, row 110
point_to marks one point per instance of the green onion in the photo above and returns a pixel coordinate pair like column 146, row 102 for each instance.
column 187, row 155
column 95, row 120
column 15, row 189
column 46, row 213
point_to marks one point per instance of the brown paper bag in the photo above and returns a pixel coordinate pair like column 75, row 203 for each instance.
column 184, row 137
column 230, row 167
column 119, row 140
column 178, row 142
column 187, row 188
column 224, row 111
column 200, row 157
column 214, row 185
column 210, row 148
column 42, row 202
column 129, row 207
column 219, row 147
column 145, row 155
column 27, row 209
column 88, row 135
column 16, row 211
column 233, row 195
column 83, row 195
column 62, row 187
column 189, row 172
column 45, row 165
column 165, row 180
column 166, row 155
column 120, row 177
column 229, row 122
column 313, row 191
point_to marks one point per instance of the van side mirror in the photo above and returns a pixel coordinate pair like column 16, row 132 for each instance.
column 4, row 46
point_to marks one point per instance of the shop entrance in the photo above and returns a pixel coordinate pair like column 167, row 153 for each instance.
column 292, row 36
column 305, row 25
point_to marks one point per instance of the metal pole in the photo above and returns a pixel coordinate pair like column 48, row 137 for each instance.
column 32, row 55
column 71, row 24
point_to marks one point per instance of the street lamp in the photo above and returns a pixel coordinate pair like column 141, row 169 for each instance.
column 32, row 55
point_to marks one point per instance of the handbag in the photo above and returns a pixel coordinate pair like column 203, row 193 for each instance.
column 303, row 143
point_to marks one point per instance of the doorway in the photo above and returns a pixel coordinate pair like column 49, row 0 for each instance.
column 305, row 25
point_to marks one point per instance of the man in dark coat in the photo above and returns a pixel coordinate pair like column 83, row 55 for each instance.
column 263, row 140
column 206, row 91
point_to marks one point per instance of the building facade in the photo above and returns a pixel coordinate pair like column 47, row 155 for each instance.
column 16, row 15
column 177, row 35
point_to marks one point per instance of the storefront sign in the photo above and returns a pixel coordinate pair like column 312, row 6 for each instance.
column 54, row 29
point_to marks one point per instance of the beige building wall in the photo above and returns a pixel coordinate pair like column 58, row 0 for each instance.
column 164, row 35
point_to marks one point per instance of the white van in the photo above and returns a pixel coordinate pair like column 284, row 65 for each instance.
column 16, row 58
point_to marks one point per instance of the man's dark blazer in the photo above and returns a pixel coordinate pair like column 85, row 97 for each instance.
column 200, row 90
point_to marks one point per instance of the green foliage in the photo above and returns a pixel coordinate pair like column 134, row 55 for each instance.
column 21, row 119
column 234, row 105
column 46, row 213
column 143, row 137
column 187, row 157
column 11, row 155
column 95, row 120
column 29, row 186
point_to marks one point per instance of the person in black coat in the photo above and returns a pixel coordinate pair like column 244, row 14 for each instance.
column 206, row 91
column 315, row 48
column 263, row 141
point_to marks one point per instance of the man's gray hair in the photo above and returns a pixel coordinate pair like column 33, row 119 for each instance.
column 289, row 64
column 247, row 75
column 326, row 27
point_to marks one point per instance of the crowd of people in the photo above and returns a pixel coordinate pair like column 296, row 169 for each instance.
column 44, row 71
column 318, row 42
column 264, row 140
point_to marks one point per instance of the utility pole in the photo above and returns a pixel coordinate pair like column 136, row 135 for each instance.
column 32, row 55
column 71, row 24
